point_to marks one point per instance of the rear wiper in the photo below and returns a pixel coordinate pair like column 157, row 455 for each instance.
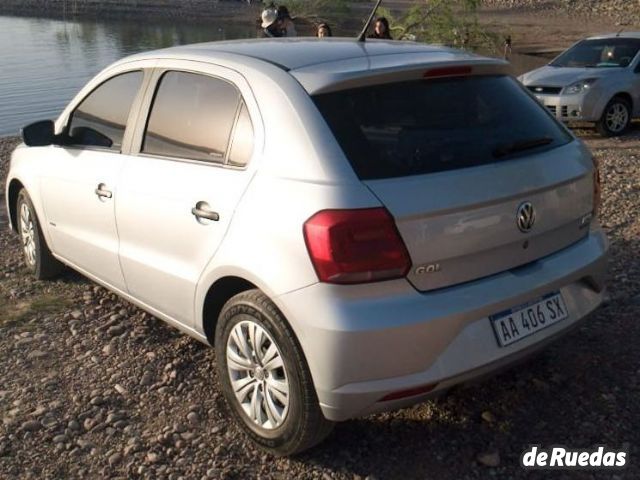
column 521, row 145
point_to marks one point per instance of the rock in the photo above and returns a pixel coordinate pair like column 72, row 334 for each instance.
column 108, row 349
column 489, row 459
column 114, row 417
column 488, row 417
column 49, row 422
column 31, row 426
column 194, row 418
column 115, row 331
column 73, row 425
column 96, row 401
column 152, row 457
column 88, row 424
column 115, row 458
column 36, row 355
column 60, row 439
column 76, row 314
column 146, row 380
column 120, row 389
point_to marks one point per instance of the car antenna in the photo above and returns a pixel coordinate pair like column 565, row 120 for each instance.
column 363, row 35
column 619, row 32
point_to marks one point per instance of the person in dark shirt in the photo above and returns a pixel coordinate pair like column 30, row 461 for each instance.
column 270, row 25
column 381, row 29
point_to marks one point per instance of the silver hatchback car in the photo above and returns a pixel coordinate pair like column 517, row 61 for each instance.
column 596, row 80
column 354, row 226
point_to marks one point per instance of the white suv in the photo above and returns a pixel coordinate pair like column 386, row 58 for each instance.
column 354, row 226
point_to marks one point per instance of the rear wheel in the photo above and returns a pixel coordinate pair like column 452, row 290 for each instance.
column 265, row 378
column 37, row 256
column 615, row 119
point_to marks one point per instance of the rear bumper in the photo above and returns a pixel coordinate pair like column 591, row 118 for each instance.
column 363, row 342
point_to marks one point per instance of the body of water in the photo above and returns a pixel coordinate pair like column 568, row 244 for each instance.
column 45, row 62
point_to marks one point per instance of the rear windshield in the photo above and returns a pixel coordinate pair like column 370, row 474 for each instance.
column 600, row 53
column 427, row 126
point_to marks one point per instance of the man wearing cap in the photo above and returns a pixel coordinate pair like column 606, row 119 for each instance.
column 271, row 24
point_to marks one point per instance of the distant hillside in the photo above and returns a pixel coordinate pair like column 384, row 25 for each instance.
column 624, row 12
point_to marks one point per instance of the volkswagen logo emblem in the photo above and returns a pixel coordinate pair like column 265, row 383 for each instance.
column 526, row 217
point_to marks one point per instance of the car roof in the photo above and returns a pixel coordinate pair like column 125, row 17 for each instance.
column 635, row 35
column 321, row 64
column 299, row 52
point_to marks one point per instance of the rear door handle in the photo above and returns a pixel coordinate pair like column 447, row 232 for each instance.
column 102, row 191
column 203, row 211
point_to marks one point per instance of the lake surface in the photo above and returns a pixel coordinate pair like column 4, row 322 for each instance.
column 44, row 62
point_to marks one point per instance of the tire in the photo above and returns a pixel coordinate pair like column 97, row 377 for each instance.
column 301, row 424
column 37, row 256
column 615, row 119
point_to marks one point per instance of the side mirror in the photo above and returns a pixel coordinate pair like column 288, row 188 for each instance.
column 39, row 134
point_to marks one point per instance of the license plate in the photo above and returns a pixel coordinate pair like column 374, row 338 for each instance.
column 524, row 320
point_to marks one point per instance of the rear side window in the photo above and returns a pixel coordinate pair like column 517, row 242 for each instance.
column 191, row 117
column 101, row 119
column 427, row 126
column 242, row 143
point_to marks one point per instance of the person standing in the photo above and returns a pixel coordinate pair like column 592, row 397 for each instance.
column 381, row 29
column 324, row 30
column 286, row 22
column 270, row 24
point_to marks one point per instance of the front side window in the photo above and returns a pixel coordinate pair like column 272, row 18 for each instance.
column 101, row 118
column 600, row 53
column 427, row 126
column 192, row 117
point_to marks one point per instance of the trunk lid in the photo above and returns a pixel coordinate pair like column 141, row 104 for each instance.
column 462, row 225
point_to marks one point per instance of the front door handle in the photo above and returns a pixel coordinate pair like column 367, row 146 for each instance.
column 203, row 211
column 102, row 191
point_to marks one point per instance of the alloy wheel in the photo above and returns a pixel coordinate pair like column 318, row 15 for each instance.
column 257, row 374
column 28, row 234
column 617, row 117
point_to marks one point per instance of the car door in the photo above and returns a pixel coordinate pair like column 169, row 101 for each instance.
column 178, row 195
column 79, row 179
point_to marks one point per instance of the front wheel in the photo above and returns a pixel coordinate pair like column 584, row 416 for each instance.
column 37, row 256
column 615, row 119
column 265, row 378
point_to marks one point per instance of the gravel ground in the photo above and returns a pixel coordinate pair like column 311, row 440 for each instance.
column 92, row 387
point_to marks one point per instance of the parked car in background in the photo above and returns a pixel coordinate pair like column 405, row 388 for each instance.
column 353, row 226
column 596, row 80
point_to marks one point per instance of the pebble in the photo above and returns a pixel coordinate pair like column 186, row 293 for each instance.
column 115, row 458
column 76, row 314
column 488, row 417
column 489, row 459
column 146, row 380
column 115, row 331
column 31, row 426
column 194, row 418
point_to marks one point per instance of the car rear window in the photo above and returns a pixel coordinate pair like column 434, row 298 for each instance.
column 428, row 126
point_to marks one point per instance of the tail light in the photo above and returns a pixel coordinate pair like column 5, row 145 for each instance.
column 356, row 246
column 597, row 187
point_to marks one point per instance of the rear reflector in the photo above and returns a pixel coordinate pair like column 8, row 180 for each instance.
column 448, row 71
column 412, row 392
column 356, row 246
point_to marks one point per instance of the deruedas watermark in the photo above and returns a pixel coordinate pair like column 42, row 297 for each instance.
column 560, row 457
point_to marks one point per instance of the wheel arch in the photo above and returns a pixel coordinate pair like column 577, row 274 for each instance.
column 627, row 96
column 219, row 293
column 15, row 186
